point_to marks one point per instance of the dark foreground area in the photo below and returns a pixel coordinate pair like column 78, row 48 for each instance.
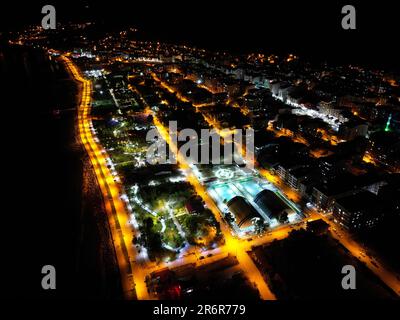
column 308, row 266
column 49, row 220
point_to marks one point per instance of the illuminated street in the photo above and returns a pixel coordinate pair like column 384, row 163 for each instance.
column 116, row 209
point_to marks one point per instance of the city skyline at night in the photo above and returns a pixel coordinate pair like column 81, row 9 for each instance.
column 204, row 153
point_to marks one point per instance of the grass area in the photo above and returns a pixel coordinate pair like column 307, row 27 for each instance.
column 160, row 205
column 201, row 229
column 171, row 236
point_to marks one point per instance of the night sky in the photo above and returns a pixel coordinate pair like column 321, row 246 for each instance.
column 311, row 29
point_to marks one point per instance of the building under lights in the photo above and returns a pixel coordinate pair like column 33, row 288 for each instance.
column 273, row 206
column 358, row 211
column 243, row 212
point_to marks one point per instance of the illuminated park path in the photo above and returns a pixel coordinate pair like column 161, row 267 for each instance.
column 132, row 277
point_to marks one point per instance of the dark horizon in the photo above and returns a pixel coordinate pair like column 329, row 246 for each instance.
column 311, row 30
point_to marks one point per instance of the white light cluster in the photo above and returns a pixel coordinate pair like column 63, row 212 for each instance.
column 96, row 73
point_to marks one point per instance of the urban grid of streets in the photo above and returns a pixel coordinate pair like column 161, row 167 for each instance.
column 133, row 273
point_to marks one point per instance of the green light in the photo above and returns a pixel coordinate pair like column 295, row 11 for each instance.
column 387, row 128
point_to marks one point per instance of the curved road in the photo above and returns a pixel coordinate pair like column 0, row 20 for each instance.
column 118, row 214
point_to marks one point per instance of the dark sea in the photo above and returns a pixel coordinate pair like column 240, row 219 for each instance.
column 42, row 179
